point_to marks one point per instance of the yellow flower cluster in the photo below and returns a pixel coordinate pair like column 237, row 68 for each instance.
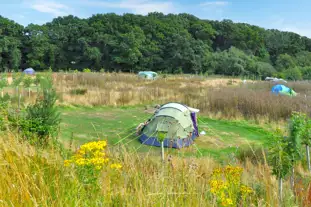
column 115, row 166
column 91, row 154
column 225, row 184
column 245, row 190
column 227, row 202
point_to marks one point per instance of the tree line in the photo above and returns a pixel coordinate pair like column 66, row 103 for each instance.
column 169, row 43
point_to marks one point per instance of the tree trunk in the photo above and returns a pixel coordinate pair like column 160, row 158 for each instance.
column 2, row 94
column 280, row 190
column 308, row 157
column 28, row 92
column 162, row 148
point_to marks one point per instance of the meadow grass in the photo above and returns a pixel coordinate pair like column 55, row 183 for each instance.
column 225, row 98
column 34, row 177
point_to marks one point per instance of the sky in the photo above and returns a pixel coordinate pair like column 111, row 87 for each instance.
column 285, row 15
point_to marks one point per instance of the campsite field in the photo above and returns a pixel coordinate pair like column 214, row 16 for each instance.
column 117, row 125
column 238, row 120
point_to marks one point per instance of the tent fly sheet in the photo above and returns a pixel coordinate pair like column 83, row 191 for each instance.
column 176, row 121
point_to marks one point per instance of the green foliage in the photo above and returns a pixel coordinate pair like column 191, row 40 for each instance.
column 156, row 41
column 296, row 128
column 278, row 156
column 285, row 62
column 3, row 82
column 306, row 72
column 18, row 79
column 4, row 103
column 27, row 82
column 38, row 123
column 161, row 136
column 37, row 80
column 293, row 74
column 86, row 70
column 306, row 135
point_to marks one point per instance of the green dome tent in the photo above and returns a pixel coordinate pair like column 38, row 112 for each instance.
column 176, row 121
column 150, row 75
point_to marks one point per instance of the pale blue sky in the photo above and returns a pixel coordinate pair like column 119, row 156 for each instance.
column 288, row 15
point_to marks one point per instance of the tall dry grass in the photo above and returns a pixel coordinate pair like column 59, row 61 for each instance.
column 227, row 98
column 32, row 177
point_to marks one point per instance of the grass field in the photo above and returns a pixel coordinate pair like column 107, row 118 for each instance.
column 83, row 124
column 238, row 120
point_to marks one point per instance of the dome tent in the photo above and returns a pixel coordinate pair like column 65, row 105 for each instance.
column 29, row 71
column 176, row 121
column 283, row 90
column 148, row 75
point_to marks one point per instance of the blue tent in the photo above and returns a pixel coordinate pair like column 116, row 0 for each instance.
column 29, row 71
column 283, row 90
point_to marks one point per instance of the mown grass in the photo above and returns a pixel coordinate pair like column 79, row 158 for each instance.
column 83, row 124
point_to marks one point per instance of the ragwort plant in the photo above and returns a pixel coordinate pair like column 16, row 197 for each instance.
column 226, row 186
column 90, row 160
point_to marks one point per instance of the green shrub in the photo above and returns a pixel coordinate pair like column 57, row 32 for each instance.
column 27, row 82
column 39, row 122
column 86, row 70
column 37, row 80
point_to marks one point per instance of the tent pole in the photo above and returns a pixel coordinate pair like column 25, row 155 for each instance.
column 162, row 148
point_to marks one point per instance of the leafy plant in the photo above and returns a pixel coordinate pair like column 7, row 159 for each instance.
column 279, row 158
column 39, row 122
column 226, row 185
column 86, row 70
column 293, row 148
column 37, row 80
column 306, row 140
column 27, row 83
column 90, row 160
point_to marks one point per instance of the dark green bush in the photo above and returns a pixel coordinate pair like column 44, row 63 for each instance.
column 38, row 123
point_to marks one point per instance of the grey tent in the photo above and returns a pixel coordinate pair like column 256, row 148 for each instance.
column 176, row 121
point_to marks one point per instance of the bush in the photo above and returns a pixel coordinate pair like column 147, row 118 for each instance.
column 39, row 122
column 27, row 82
column 78, row 91
column 86, row 70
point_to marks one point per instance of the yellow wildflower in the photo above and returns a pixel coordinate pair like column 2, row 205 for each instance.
column 67, row 163
column 81, row 161
column 98, row 167
column 115, row 166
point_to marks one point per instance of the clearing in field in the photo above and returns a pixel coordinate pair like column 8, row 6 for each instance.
column 117, row 125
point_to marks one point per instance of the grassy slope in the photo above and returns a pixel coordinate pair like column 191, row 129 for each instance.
column 222, row 137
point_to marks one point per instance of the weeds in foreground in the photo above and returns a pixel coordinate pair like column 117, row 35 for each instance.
column 90, row 160
column 226, row 185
